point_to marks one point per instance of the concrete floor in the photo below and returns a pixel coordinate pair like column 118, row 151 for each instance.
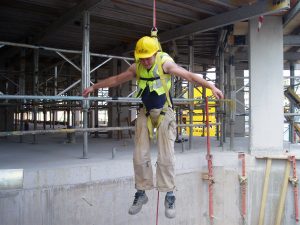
column 52, row 150
column 59, row 187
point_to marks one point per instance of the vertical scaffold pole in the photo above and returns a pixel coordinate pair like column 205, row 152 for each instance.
column 191, row 89
column 85, row 76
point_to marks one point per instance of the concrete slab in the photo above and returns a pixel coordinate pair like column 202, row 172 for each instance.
column 61, row 188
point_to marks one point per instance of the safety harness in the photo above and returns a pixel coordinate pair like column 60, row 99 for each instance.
column 163, row 79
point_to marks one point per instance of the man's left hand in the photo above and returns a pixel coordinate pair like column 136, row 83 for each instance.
column 217, row 93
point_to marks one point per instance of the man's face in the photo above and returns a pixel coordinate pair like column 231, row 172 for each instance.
column 147, row 62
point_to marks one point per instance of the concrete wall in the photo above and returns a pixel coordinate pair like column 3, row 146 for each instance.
column 100, row 194
column 266, row 89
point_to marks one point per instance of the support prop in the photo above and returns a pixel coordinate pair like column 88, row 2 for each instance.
column 294, row 181
column 265, row 192
column 282, row 197
column 209, row 177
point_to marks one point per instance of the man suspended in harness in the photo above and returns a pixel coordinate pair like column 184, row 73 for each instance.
column 153, row 70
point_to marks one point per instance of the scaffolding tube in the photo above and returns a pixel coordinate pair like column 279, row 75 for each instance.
column 101, row 64
column 191, row 89
column 70, row 87
column 85, row 76
column 62, row 50
column 81, row 98
column 222, row 88
column 79, row 130
column 68, row 60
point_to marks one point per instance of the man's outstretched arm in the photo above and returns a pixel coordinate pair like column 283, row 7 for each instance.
column 113, row 81
column 172, row 68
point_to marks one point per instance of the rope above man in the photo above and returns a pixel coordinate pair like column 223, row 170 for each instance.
column 153, row 71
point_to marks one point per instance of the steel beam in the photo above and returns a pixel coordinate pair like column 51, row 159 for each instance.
column 290, row 56
column 291, row 14
column 194, row 5
column 291, row 40
column 161, row 7
column 68, row 17
column 221, row 20
column 226, row 3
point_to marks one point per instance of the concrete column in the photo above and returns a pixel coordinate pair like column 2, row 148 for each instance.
column 266, row 89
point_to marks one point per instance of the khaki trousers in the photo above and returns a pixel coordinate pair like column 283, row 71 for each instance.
column 165, row 166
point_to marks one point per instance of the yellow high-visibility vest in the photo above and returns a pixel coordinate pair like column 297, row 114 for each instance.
column 155, row 78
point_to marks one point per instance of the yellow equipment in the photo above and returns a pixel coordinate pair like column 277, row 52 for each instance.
column 199, row 117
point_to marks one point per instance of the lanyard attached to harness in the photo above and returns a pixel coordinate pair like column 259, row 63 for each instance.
column 163, row 77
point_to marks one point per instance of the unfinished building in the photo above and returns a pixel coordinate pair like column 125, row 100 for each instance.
column 67, row 159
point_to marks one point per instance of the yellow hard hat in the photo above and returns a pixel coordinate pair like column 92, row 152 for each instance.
column 145, row 47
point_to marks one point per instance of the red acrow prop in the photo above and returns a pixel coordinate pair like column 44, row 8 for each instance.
column 209, row 164
column 295, row 184
column 243, row 184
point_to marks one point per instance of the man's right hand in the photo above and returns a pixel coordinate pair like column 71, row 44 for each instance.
column 86, row 91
